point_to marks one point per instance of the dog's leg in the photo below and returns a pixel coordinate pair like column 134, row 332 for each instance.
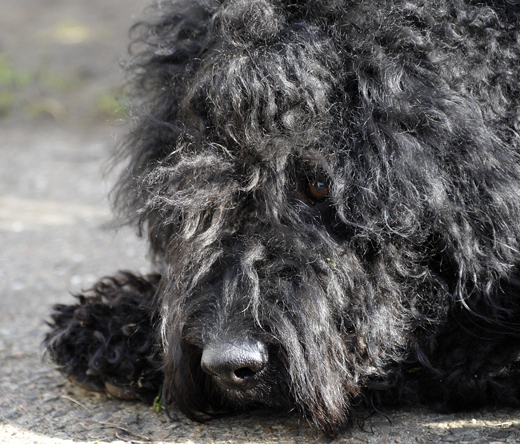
column 475, row 358
column 470, row 376
column 106, row 342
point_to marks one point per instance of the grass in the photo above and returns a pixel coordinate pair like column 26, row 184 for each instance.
column 44, row 93
column 109, row 106
column 11, row 82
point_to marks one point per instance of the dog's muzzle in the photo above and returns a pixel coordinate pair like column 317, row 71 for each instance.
column 235, row 365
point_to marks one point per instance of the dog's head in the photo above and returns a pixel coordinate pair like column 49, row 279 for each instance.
column 298, row 171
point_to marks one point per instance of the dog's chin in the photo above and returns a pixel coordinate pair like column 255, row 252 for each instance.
column 241, row 400
column 247, row 386
column 264, row 392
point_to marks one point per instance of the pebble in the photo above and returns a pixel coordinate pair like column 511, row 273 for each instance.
column 134, row 419
column 12, row 414
column 161, row 435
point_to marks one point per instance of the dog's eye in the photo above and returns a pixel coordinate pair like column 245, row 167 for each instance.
column 317, row 190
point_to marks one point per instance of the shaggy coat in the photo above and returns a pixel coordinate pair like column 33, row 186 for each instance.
column 331, row 193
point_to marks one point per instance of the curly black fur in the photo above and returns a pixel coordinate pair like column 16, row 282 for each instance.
column 332, row 186
column 107, row 342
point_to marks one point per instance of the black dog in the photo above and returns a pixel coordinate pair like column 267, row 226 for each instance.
column 331, row 192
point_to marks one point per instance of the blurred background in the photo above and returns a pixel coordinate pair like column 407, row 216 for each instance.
column 62, row 110
column 59, row 60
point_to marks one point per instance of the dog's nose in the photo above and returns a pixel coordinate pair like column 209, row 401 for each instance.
column 235, row 365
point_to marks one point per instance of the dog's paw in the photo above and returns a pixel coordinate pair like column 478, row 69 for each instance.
column 106, row 342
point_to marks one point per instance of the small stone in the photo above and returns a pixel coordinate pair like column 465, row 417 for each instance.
column 77, row 428
column 450, row 438
column 161, row 435
column 104, row 416
column 459, row 431
column 49, row 397
column 12, row 414
column 134, row 419
column 17, row 353
column 81, row 414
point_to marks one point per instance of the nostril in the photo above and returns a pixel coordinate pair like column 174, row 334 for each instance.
column 244, row 373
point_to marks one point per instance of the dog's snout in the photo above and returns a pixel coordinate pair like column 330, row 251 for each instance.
column 235, row 365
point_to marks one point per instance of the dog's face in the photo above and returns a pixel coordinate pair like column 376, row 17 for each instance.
column 299, row 174
column 265, row 296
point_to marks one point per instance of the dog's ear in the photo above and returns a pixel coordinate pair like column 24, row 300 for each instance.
column 164, row 50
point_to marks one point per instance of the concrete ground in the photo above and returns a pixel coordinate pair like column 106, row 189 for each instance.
column 59, row 80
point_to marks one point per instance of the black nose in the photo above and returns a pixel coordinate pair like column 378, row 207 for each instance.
column 235, row 364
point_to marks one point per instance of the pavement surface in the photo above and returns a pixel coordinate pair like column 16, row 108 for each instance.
column 58, row 78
